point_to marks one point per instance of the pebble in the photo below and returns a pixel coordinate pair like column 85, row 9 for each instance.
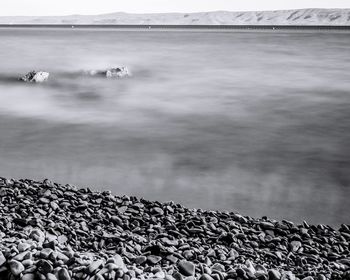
column 154, row 259
column 16, row 267
column 2, row 259
column 28, row 276
column 94, row 266
column 140, row 259
column 186, row 268
column 50, row 231
column 63, row 274
column 37, row 235
column 274, row 274
column 206, row 277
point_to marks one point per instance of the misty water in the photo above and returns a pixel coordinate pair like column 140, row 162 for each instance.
column 256, row 122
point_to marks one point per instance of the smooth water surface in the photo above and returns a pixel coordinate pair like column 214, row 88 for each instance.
column 255, row 122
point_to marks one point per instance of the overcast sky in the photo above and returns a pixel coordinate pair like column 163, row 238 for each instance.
column 66, row 7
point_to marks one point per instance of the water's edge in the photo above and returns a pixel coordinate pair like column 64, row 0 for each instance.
column 178, row 26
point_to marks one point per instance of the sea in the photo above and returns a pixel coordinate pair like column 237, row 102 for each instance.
column 248, row 121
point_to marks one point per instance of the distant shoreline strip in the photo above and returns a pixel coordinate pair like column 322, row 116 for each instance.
column 135, row 26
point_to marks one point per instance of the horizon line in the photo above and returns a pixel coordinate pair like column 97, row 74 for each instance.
column 156, row 13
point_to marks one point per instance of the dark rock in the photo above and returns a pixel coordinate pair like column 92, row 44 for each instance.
column 186, row 268
column 44, row 266
column 206, row 277
column 274, row 274
column 63, row 274
column 140, row 260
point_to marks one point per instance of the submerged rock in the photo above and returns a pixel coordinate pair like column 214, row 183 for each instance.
column 117, row 72
column 35, row 77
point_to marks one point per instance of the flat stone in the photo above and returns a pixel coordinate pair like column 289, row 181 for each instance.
column 63, row 274
column 44, row 200
column 2, row 259
column 218, row 267
column 274, row 274
column 28, row 276
column 267, row 225
column 158, row 211
column 44, row 266
column 23, row 246
column 206, row 276
column 16, row 267
column 37, row 235
column 118, row 261
column 45, row 253
column 95, row 265
column 62, row 239
column 295, row 245
column 140, row 260
column 288, row 275
column 154, row 259
column 51, row 276
column 21, row 256
column 186, row 268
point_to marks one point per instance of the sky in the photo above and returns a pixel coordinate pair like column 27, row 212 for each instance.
column 67, row 7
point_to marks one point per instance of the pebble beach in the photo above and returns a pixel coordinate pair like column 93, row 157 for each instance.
column 59, row 232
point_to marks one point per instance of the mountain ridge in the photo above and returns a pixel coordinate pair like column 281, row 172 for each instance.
column 331, row 17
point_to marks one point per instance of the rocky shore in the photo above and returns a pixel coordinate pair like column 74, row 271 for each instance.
column 55, row 232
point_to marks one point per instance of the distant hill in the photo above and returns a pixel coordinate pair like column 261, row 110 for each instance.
column 331, row 17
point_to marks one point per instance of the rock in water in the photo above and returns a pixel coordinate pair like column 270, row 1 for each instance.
column 35, row 77
column 117, row 72
column 40, row 77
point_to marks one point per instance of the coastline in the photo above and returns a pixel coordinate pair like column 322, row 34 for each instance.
column 52, row 231
column 179, row 26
